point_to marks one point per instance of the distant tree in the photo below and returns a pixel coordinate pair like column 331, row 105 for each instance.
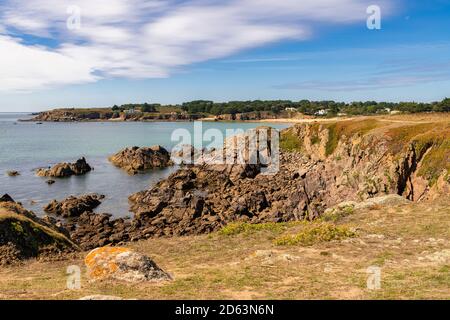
column 146, row 107
column 443, row 106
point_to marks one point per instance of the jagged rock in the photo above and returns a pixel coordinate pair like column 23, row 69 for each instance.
column 6, row 198
column 135, row 159
column 74, row 206
column 93, row 230
column 13, row 173
column 23, row 236
column 62, row 170
column 122, row 264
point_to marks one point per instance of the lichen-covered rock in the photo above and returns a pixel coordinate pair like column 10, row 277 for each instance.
column 63, row 170
column 74, row 206
column 135, row 159
column 122, row 264
column 23, row 236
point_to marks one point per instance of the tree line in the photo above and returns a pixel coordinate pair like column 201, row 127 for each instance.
column 327, row 107
column 313, row 107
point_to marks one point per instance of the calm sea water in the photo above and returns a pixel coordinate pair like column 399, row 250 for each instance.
column 25, row 146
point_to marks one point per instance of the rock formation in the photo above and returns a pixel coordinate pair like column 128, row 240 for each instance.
column 122, row 264
column 74, row 206
column 62, row 170
column 320, row 166
column 135, row 159
column 13, row 173
column 92, row 230
column 6, row 198
column 23, row 236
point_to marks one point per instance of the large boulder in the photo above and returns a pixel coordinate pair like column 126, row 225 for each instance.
column 63, row 170
column 122, row 264
column 135, row 159
column 74, row 206
column 23, row 236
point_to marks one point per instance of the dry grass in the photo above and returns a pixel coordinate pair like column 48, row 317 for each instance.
column 411, row 244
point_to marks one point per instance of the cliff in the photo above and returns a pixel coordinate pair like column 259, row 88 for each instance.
column 361, row 159
column 321, row 165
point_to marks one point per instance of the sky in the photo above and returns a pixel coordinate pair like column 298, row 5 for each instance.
column 84, row 53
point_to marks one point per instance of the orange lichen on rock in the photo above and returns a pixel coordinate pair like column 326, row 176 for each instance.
column 122, row 264
column 101, row 263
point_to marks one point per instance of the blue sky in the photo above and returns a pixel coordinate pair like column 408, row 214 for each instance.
column 173, row 51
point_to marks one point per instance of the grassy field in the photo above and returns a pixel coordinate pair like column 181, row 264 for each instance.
column 327, row 260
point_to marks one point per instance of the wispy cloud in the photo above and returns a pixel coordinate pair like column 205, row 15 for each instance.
column 149, row 39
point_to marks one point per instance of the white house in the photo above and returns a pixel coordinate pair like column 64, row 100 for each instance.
column 130, row 111
column 322, row 112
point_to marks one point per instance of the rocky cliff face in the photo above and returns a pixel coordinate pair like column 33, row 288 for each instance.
column 320, row 165
column 357, row 160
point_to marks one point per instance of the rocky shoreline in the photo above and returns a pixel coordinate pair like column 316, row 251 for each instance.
column 320, row 165
column 108, row 115
column 80, row 115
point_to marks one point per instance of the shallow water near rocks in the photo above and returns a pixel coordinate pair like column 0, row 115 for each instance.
column 26, row 146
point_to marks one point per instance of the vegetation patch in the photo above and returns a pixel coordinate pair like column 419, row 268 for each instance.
column 338, row 213
column 400, row 137
column 437, row 159
column 290, row 142
column 337, row 130
column 316, row 233
column 249, row 228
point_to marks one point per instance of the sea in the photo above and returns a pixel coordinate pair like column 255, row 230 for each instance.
column 26, row 146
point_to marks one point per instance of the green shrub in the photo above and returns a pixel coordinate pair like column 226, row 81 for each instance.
column 315, row 233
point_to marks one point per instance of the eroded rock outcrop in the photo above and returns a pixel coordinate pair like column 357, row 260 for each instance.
column 74, row 206
column 320, row 165
column 93, row 230
column 63, row 170
column 135, row 159
column 23, row 236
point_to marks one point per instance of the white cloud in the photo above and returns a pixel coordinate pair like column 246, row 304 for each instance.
column 153, row 38
column 30, row 67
